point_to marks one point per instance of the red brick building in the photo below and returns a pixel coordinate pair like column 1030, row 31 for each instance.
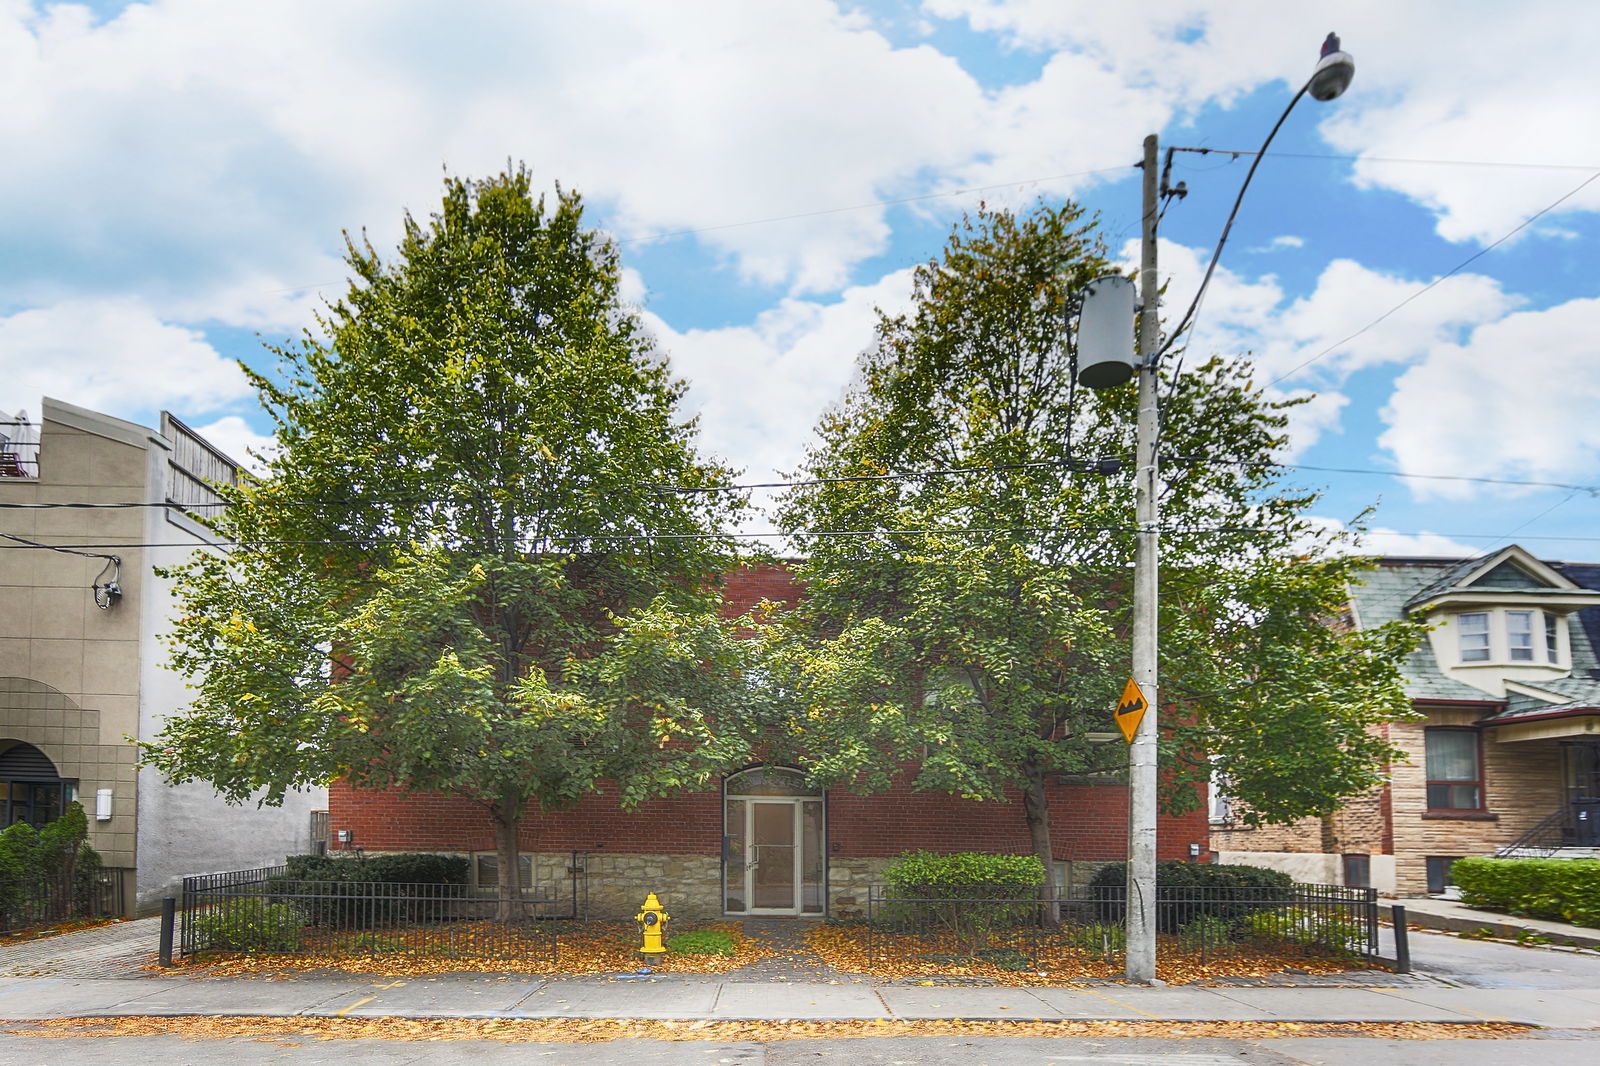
column 763, row 843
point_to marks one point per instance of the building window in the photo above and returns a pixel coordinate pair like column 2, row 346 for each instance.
column 1519, row 635
column 1550, row 643
column 1358, row 871
column 1439, row 873
column 1218, row 803
column 486, row 870
column 1455, row 776
column 1474, row 630
column 30, row 790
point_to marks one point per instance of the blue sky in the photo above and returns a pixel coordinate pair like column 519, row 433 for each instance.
column 181, row 171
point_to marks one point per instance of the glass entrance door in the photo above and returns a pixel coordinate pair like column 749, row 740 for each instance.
column 773, row 857
column 772, row 866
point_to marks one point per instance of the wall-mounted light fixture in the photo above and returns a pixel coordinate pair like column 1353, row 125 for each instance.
column 108, row 589
column 102, row 805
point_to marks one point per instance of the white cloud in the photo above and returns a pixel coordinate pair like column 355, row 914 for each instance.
column 114, row 356
column 205, row 156
column 1517, row 399
column 759, row 389
column 1311, row 346
column 228, row 146
column 1382, row 541
column 1479, row 81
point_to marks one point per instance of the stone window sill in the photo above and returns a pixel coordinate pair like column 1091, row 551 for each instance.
column 1461, row 816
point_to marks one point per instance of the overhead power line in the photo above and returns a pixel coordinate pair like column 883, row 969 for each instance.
column 1436, row 282
column 1512, row 164
column 1104, row 466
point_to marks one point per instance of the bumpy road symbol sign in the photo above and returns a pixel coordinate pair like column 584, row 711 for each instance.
column 1130, row 710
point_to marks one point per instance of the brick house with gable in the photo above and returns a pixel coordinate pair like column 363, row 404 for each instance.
column 762, row 844
column 1504, row 752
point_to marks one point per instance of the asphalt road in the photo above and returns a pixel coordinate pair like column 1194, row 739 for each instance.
column 1553, row 1049
column 1485, row 964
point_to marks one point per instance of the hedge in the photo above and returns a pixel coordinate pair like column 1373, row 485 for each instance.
column 391, row 869
column 965, row 875
column 1566, row 890
column 340, row 896
column 1188, row 891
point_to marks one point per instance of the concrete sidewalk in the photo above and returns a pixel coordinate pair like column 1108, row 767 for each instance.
column 695, row 998
column 1456, row 917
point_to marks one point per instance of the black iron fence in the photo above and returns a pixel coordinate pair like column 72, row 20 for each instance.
column 265, row 912
column 1085, row 930
column 39, row 902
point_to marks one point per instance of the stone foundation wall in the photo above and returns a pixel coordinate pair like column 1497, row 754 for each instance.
column 614, row 886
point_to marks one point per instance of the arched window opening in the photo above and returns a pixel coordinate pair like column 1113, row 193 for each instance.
column 30, row 789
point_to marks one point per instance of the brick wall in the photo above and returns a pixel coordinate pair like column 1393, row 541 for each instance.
column 1521, row 786
column 1088, row 822
column 680, row 839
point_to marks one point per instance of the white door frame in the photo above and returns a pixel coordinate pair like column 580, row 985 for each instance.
column 752, row 849
column 750, row 852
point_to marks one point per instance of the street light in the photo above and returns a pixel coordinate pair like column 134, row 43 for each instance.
column 1104, row 368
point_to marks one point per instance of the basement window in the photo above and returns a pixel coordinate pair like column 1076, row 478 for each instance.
column 486, row 870
column 1439, row 880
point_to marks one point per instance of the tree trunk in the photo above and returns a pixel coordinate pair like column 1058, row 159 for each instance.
column 1036, row 808
column 507, row 815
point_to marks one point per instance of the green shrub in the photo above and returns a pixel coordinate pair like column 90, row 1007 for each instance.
column 1102, row 940
column 1566, row 890
column 965, row 875
column 976, row 876
column 702, row 942
column 249, row 924
column 1206, row 932
column 1189, row 891
column 58, row 856
column 350, row 892
column 1337, row 932
column 420, row 869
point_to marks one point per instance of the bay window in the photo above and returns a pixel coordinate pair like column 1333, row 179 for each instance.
column 1519, row 636
column 1474, row 629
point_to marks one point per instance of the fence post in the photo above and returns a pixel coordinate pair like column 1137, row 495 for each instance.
column 1402, row 940
column 169, row 911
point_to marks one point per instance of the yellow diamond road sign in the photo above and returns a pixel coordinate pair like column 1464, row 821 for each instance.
column 1130, row 710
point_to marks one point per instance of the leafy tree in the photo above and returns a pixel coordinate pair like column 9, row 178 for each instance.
column 981, row 631
column 460, row 571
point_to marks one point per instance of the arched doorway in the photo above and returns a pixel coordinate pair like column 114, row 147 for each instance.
column 773, row 844
column 30, row 789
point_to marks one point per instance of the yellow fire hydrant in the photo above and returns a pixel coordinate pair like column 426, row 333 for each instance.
column 653, row 924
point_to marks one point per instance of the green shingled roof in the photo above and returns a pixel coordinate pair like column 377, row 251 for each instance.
column 1384, row 593
column 1382, row 596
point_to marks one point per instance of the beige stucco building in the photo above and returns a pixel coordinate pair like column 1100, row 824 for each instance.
column 82, row 667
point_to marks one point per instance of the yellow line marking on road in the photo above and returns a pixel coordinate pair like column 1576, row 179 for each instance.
column 353, row 1006
column 1124, row 1006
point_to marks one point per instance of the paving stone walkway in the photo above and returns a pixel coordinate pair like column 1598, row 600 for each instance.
column 793, row 959
column 116, row 950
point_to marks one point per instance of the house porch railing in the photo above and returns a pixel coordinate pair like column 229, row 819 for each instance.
column 1573, row 825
